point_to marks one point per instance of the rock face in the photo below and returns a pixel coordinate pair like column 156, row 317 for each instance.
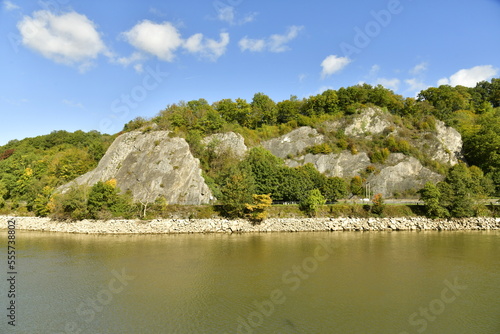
column 149, row 165
column 294, row 142
column 445, row 146
column 399, row 172
column 343, row 164
column 224, row 142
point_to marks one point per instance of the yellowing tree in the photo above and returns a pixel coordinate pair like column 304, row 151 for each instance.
column 257, row 211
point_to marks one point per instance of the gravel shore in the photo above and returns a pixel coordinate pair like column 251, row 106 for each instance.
column 160, row 226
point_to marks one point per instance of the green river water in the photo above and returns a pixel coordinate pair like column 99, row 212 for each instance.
column 339, row 282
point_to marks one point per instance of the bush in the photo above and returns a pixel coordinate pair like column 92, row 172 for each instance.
column 311, row 202
column 378, row 204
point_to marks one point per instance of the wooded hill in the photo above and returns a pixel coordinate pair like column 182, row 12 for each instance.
column 31, row 169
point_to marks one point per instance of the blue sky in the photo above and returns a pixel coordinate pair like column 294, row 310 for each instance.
column 95, row 65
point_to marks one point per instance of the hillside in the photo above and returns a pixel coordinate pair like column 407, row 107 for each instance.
column 342, row 142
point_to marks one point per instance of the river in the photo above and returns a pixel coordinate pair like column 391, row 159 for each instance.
column 318, row 282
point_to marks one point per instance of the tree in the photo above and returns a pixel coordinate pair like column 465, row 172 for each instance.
column 264, row 110
column 334, row 188
column 378, row 204
column 356, row 186
column 311, row 202
column 3, row 194
column 264, row 167
column 236, row 192
column 41, row 203
column 104, row 200
column 431, row 196
column 256, row 212
column 288, row 110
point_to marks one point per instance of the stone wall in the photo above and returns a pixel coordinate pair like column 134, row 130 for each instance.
column 161, row 226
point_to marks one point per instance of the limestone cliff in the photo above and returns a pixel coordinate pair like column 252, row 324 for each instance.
column 398, row 173
column 228, row 142
column 149, row 165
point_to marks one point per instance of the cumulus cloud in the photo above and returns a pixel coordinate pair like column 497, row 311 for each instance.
column 160, row 40
column 163, row 40
column 389, row 83
column 274, row 43
column 10, row 6
column 228, row 14
column 419, row 68
column 207, row 47
column 470, row 77
column 333, row 64
column 69, row 38
column 254, row 45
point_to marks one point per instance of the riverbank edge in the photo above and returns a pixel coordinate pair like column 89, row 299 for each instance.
column 176, row 226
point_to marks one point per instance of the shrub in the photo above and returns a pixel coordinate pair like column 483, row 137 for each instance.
column 311, row 202
column 378, row 204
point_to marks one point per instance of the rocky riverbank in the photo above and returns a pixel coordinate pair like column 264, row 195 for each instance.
column 159, row 226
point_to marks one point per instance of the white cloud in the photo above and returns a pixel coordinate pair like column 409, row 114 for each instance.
column 163, row 40
column 415, row 85
column 254, row 45
column 274, row 43
column 389, row 83
column 333, row 64
column 419, row 68
column 470, row 77
column 228, row 14
column 10, row 6
column 158, row 39
column 134, row 57
column 277, row 43
column 207, row 47
column 69, row 38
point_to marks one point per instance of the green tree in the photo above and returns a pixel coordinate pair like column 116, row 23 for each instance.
column 288, row 110
column 356, row 185
column 311, row 202
column 334, row 188
column 264, row 168
column 431, row 196
column 264, row 111
column 41, row 203
column 236, row 192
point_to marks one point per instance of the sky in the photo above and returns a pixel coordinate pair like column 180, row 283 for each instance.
column 95, row 65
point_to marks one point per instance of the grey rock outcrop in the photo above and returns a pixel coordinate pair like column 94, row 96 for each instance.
column 445, row 145
column 149, row 165
column 294, row 142
column 228, row 141
column 398, row 173
column 343, row 164
column 401, row 173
